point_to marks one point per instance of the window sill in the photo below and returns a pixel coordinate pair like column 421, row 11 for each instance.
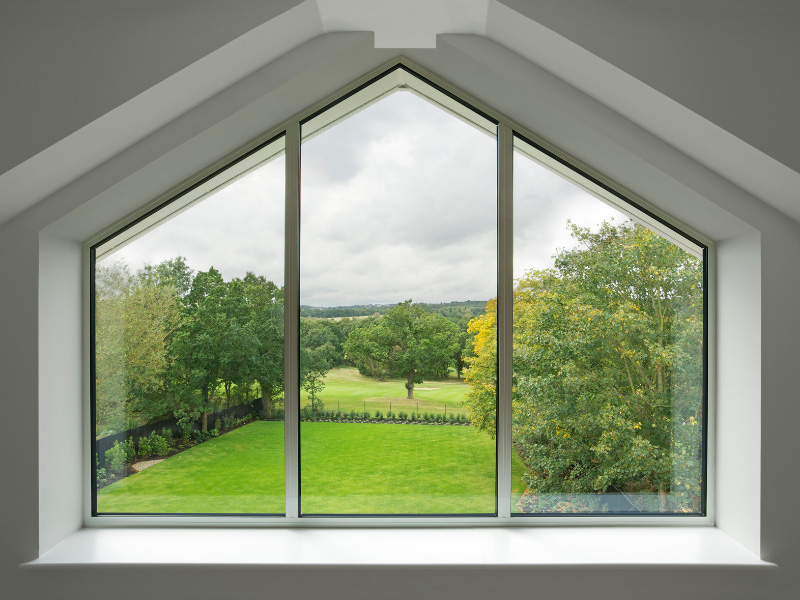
column 475, row 547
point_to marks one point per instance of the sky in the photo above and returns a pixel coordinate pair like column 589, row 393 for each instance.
column 398, row 202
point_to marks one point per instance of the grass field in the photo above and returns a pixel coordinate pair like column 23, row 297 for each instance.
column 345, row 468
column 348, row 390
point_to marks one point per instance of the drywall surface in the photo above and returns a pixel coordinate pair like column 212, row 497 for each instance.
column 45, row 242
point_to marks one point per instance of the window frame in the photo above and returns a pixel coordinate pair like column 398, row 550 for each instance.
column 507, row 130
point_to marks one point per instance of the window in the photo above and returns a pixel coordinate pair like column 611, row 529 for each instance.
column 389, row 342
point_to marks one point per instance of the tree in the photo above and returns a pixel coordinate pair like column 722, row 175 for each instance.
column 136, row 317
column 198, row 341
column 607, row 368
column 318, row 354
column 265, row 302
column 113, row 281
column 406, row 342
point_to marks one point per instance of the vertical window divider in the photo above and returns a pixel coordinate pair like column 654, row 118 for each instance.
column 505, row 307
column 291, row 323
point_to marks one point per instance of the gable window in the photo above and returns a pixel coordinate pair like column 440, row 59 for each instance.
column 400, row 305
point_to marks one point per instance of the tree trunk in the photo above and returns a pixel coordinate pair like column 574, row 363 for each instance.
column 204, row 414
column 410, row 386
column 266, row 401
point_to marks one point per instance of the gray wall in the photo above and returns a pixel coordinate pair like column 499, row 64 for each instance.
column 41, row 304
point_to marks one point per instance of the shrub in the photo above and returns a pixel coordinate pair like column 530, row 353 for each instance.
column 185, row 424
column 389, row 414
column 160, row 445
column 353, row 415
column 378, row 414
column 130, row 450
column 115, row 458
column 402, row 415
column 365, row 415
column 166, row 433
column 426, row 417
column 413, row 417
column 439, row 419
column 144, row 447
column 201, row 436
column 214, row 432
column 100, row 471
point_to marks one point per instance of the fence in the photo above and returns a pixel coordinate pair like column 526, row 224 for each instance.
column 104, row 444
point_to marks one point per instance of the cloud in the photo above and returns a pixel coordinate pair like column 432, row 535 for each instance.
column 397, row 202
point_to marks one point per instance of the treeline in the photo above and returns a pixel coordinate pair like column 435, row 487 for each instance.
column 171, row 342
column 451, row 310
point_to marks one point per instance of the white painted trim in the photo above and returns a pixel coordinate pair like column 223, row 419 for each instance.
column 401, row 548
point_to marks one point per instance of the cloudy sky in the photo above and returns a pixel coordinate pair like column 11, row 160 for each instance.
column 398, row 202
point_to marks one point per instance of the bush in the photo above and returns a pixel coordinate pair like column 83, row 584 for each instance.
column 214, row 432
column 426, row 417
column 413, row 417
column 402, row 415
column 353, row 415
column 365, row 415
column 130, row 450
column 201, row 436
column 378, row 415
column 166, row 433
column 144, row 447
column 160, row 445
column 185, row 423
column 389, row 414
column 116, row 459
column 100, row 471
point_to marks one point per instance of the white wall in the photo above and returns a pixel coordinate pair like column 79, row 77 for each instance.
column 40, row 306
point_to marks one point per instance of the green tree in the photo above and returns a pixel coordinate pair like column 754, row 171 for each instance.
column 265, row 302
column 607, row 368
column 113, row 281
column 406, row 342
column 198, row 342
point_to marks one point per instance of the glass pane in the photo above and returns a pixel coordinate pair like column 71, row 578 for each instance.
column 188, row 341
column 398, row 256
column 608, row 355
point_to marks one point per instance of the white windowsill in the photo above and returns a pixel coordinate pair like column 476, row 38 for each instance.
column 482, row 547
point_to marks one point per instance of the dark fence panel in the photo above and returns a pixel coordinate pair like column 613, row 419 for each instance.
column 104, row 444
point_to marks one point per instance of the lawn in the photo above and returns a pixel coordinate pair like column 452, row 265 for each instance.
column 346, row 390
column 346, row 468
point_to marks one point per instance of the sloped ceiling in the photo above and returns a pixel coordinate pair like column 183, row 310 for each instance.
column 717, row 79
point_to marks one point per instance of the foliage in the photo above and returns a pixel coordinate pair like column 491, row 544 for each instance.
column 119, row 455
column 407, row 341
column 607, row 369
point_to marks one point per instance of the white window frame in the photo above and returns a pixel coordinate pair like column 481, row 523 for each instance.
column 549, row 156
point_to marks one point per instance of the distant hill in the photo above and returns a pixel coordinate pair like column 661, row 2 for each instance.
column 451, row 310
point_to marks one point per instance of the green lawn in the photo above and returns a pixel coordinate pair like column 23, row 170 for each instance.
column 347, row 390
column 346, row 468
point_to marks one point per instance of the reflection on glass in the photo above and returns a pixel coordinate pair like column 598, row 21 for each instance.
column 188, row 343
column 608, row 356
column 398, row 256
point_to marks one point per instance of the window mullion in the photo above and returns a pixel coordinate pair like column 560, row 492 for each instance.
column 291, row 322
column 505, row 295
